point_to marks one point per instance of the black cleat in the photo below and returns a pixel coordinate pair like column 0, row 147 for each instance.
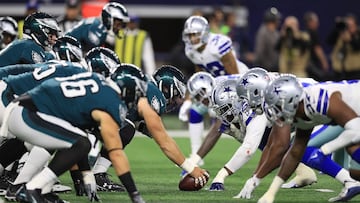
column 11, row 192
column 103, row 183
column 29, row 196
column 53, row 198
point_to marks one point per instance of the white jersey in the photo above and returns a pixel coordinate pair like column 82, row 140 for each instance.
column 210, row 58
column 317, row 99
column 221, row 78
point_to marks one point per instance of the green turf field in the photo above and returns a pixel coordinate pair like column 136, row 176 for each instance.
column 157, row 178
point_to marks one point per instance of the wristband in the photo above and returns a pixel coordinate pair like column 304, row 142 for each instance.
column 256, row 180
column 194, row 158
column 187, row 166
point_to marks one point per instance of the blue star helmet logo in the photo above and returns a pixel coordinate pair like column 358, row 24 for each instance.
column 244, row 81
column 277, row 90
column 227, row 89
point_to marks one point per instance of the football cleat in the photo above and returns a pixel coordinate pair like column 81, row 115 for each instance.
column 4, row 184
column 298, row 183
column 217, row 187
column 53, row 198
column 11, row 192
column 350, row 190
column 33, row 196
column 59, row 188
column 103, row 183
column 183, row 173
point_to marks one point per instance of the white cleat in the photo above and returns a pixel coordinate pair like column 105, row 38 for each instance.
column 299, row 182
column 350, row 190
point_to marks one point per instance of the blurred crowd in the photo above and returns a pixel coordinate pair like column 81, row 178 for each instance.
column 291, row 45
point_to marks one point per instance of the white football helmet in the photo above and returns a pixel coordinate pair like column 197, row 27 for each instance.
column 224, row 98
column 196, row 25
column 282, row 98
column 200, row 86
column 251, row 86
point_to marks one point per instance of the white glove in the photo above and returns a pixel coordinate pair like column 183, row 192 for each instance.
column 248, row 188
column 211, row 113
column 184, row 111
column 90, row 185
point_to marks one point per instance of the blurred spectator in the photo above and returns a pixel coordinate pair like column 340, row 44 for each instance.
column 216, row 21
column 72, row 15
column 294, row 48
column 177, row 55
column 102, row 30
column 238, row 35
column 266, row 39
column 346, row 51
column 136, row 47
column 8, row 31
column 31, row 7
column 318, row 67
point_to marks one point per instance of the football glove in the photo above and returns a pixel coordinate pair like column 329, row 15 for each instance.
column 184, row 111
column 90, row 185
column 248, row 188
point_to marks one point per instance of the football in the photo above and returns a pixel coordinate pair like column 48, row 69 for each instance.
column 187, row 183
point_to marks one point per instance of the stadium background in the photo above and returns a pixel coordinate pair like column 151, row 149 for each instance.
column 164, row 19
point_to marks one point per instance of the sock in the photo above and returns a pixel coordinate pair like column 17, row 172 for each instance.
column 43, row 178
column 327, row 165
column 344, row 176
column 101, row 165
column 220, row 176
column 195, row 131
column 37, row 159
column 48, row 187
column 274, row 187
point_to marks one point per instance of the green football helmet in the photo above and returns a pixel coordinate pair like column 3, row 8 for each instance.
column 39, row 26
column 111, row 11
column 171, row 82
column 68, row 48
column 102, row 60
column 129, row 69
column 131, row 87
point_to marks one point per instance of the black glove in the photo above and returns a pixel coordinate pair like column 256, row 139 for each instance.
column 79, row 188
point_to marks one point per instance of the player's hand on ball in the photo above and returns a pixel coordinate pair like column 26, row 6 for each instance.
column 201, row 176
column 194, row 181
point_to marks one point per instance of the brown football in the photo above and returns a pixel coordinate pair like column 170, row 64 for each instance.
column 187, row 183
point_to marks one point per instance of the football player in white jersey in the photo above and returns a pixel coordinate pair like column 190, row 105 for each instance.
column 209, row 52
column 252, row 87
column 239, row 121
column 235, row 120
column 288, row 104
